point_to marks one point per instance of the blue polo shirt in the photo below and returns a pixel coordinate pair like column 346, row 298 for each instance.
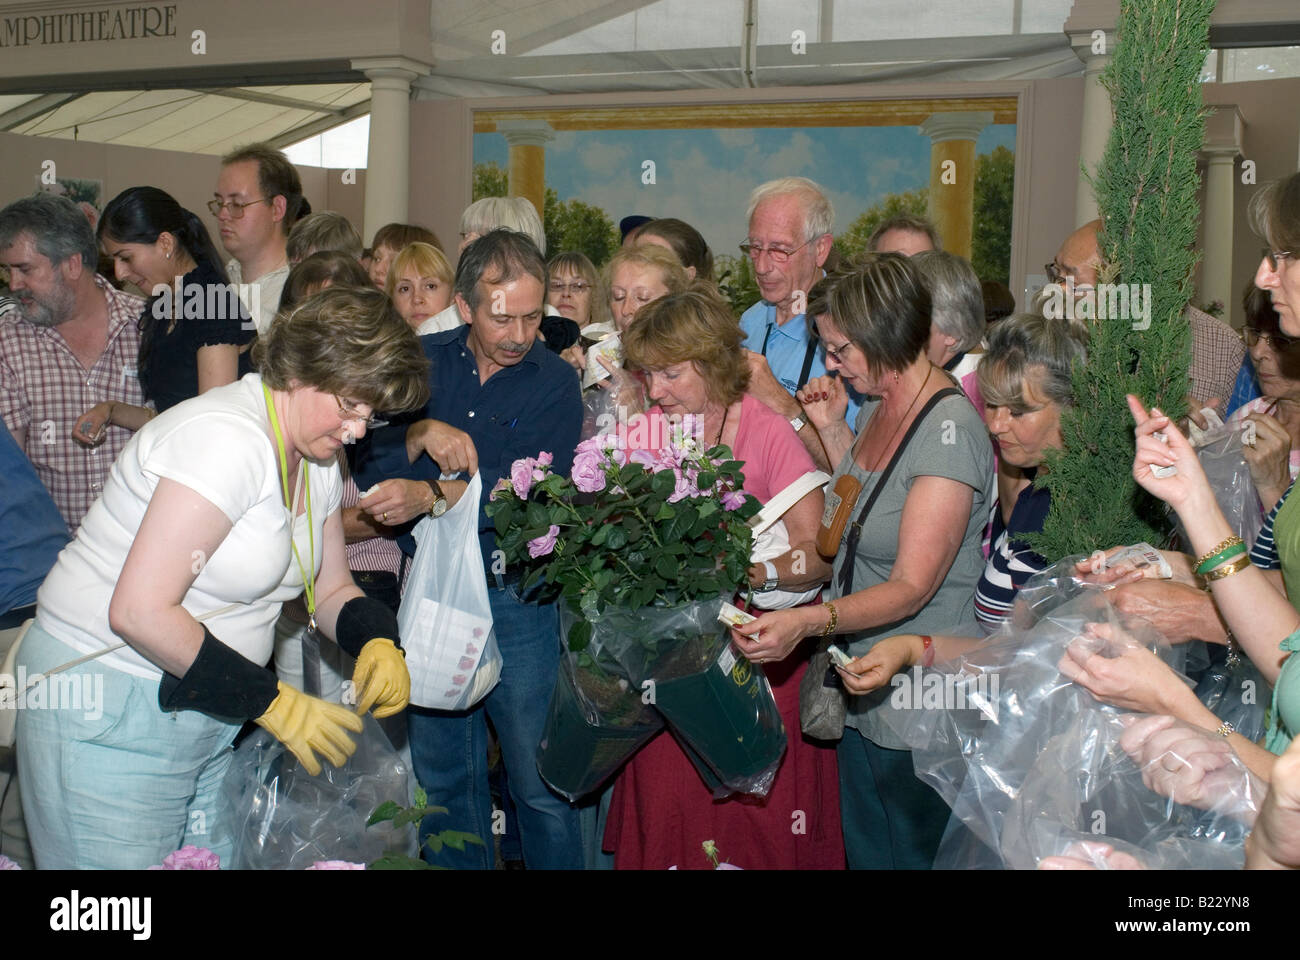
column 786, row 349
column 522, row 410
column 32, row 531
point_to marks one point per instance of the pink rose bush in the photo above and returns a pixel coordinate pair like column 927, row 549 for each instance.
column 646, row 515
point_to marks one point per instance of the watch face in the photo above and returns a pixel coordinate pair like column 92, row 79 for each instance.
column 439, row 507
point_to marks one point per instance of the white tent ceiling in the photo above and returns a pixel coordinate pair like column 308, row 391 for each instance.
column 583, row 46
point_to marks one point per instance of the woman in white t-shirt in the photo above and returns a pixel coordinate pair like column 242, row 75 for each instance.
column 175, row 581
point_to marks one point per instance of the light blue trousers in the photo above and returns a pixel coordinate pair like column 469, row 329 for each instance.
column 115, row 782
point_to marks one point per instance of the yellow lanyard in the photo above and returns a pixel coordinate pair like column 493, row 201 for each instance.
column 308, row 573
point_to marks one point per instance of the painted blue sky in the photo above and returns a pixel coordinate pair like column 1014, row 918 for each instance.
column 704, row 176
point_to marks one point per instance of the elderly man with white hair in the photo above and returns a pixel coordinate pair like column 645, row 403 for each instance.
column 790, row 222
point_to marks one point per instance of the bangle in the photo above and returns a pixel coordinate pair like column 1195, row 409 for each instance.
column 1226, row 550
column 1228, row 569
column 1225, row 730
column 927, row 644
column 833, row 622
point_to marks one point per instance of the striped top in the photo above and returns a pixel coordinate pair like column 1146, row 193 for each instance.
column 1264, row 553
column 1010, row 561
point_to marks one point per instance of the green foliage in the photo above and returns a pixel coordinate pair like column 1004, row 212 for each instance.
column 490, row 181
column 576, row 225
column 735, row 276
column 399, row 816
column 627, row 535
column 995, row 175
column 1146, row 191
column 852, row 242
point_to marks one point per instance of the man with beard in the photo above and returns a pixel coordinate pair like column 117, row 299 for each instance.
column 496, row 395
column 73, row 342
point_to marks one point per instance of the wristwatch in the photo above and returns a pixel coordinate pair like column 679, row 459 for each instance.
column 772, row 579
column 439, row 505
column 798, row 423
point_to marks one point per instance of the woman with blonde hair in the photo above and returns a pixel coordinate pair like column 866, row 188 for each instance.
column 420, row 285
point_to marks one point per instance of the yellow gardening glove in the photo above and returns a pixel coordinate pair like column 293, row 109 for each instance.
column 308, row 725
column 381, row 679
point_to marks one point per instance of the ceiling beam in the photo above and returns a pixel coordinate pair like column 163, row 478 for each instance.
column 35, row 108
column 293, row 103
column 313, row 127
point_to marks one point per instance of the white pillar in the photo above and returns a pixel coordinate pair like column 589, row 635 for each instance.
column 1216, row 267
column 388, row 167
column 1096, row 117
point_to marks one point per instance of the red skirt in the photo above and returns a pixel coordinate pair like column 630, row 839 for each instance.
column 662, row 812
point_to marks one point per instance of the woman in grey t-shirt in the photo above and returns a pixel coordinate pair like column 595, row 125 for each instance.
column 917, row 558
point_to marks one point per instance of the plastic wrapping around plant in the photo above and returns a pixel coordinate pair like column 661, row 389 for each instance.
column 599, row 412
column 597, row 721
column 1220, row 451
column 285, row 819
column 1030, row 762
column 1233, row 688
column 681, row 660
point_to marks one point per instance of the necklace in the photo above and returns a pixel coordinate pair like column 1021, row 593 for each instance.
column 725, row 411
column 902, row 420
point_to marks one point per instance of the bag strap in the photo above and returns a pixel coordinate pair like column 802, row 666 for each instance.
column 117, row 646
column 776, row 507
column 846, row 572
column 807, row 360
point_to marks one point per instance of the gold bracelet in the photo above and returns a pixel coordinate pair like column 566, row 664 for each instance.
column 1228, row 569
column 833, row 622
column 1223, row 545
column 1225, row 730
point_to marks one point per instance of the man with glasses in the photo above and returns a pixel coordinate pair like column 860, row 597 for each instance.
column 1217, row 351
column 496, row 395
column 257, row 200
column 789, row 239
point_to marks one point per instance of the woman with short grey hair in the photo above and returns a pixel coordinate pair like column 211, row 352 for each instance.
column 957, row 311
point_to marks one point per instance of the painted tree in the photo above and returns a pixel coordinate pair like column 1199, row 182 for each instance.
column 995, row 175
column 576, row 225
column 853, row 241
column 1146, row 192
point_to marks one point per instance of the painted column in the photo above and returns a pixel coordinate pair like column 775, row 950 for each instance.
column 388, row 164
column 1221, row 147
column 527, row 164
column 952, row 175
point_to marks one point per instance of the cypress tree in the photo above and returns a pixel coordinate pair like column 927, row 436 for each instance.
column 1146, row 188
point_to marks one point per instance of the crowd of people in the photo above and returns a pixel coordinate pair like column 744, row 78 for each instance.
column 213, row 464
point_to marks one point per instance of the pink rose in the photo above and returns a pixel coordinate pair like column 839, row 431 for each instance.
column 542, row 546
column 502, row 486
column 7, row 864
column 733, row 499
column 683, row 487
column 336, row 865
column 645, row 458
column 521, row 476
column 545, row 458
column 190, row 857
column 589, row 471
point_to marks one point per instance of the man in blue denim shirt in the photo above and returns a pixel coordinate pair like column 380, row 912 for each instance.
column 497, row 394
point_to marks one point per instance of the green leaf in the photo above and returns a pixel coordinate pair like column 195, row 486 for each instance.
column 385, row 811
column 667, row 567
column 537, row 516
column 434, row 842
column 663, row 483
column 705, row 480
column 708, row 508
column 601, row 536
column 617, row 538
column 579, row 636
column 399, row 863
column 421, row 797
column 666, row 512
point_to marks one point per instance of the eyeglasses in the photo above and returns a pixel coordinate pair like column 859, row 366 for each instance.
column 577, row 287
column 1278, row 341
column 1276, row 256
column 347, row 413
column 837, row 353
column 776, row 254
column 236, row 209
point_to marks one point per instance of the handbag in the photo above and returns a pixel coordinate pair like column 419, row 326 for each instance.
column 823, row 703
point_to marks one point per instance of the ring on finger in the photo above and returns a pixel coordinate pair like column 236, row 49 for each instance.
column 384, row 516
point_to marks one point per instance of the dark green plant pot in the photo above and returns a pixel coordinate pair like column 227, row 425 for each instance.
column 730, row 720
column 593, row 728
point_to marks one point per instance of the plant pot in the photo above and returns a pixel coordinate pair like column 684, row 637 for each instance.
column 722, row 707
column 594, row 726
